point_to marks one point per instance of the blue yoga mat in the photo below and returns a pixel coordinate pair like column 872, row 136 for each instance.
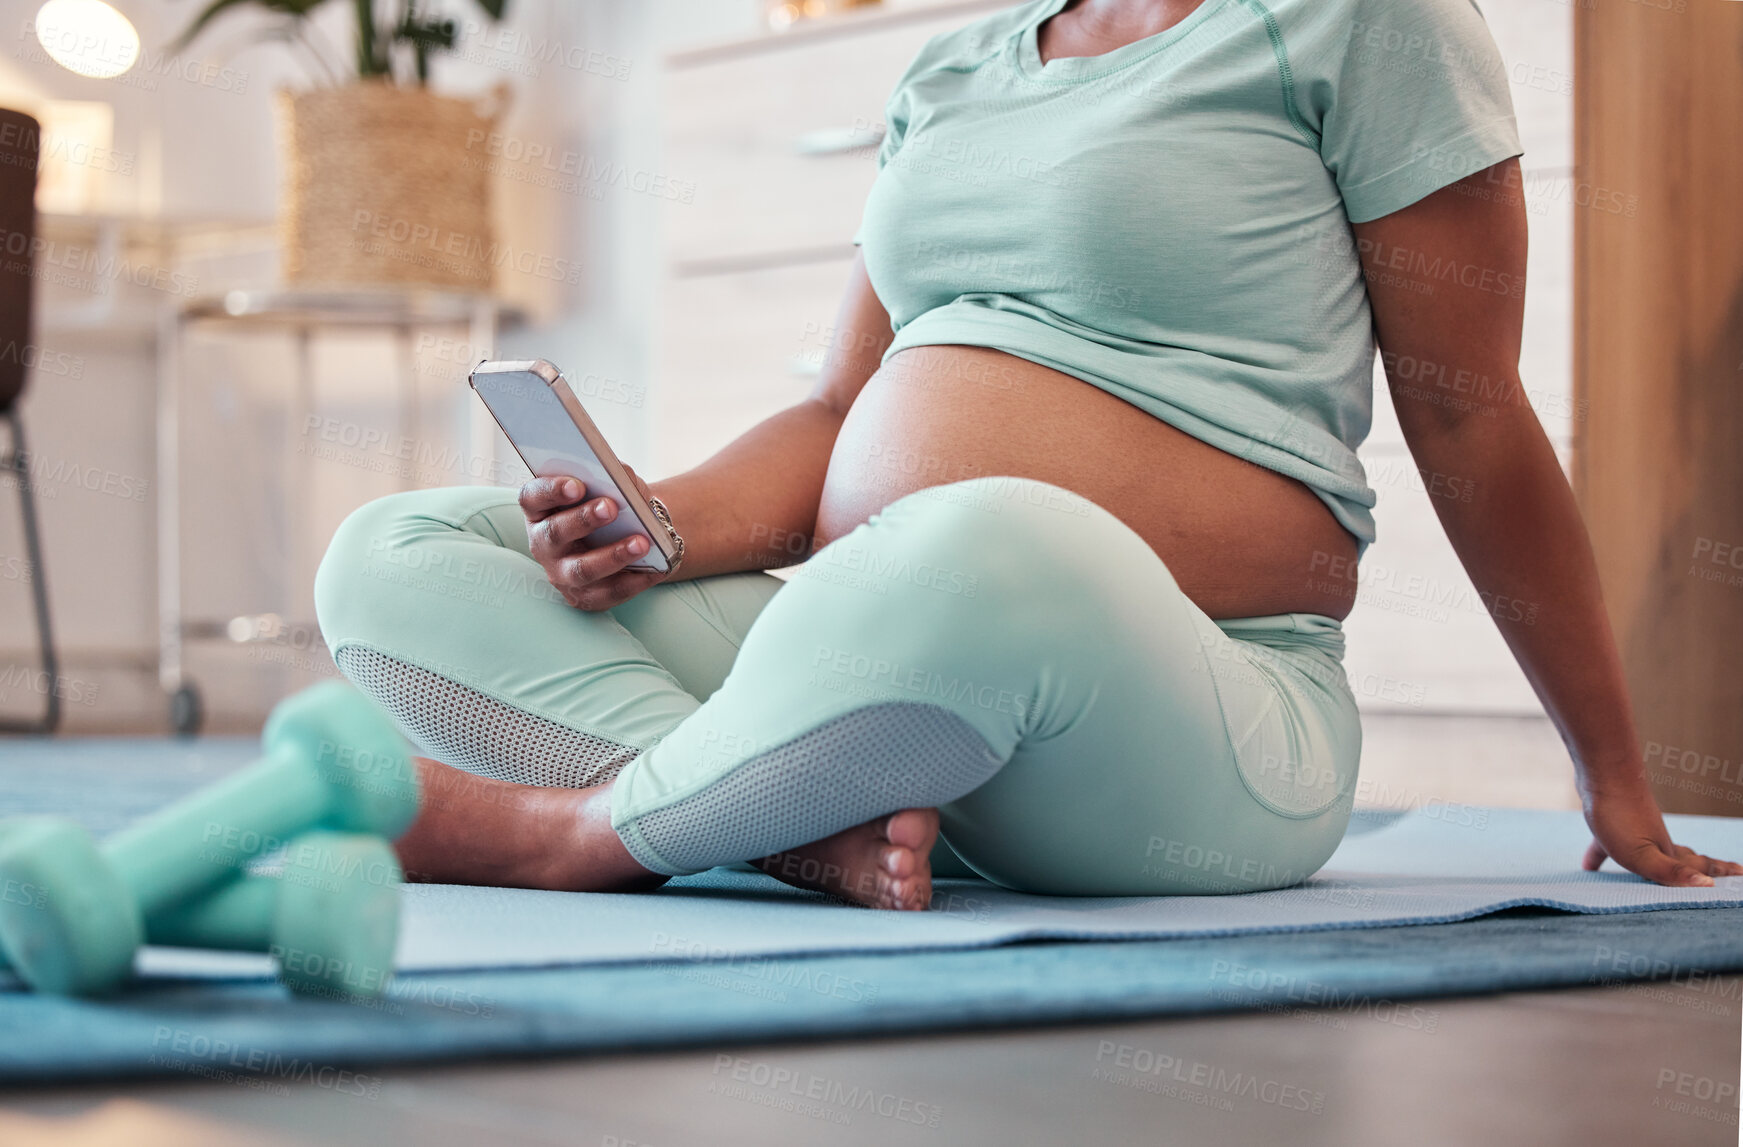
column 217, row 1019
column 255, row 1032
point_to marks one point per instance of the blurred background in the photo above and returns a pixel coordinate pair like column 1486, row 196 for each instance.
column 658, row 196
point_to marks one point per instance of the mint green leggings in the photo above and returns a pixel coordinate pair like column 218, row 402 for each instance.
column 998, row 648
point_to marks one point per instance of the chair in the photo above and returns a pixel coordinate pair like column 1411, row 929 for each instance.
column 19, row 145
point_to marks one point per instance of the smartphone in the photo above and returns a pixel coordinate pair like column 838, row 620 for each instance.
column 549, row 429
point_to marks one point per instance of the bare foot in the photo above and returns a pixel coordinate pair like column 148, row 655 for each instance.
column 884, row 863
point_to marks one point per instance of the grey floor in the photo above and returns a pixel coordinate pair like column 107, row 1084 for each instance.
column 1623, row 1065
column 1643, row 1064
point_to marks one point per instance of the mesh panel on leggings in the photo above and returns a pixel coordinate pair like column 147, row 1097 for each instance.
column 866, row 763
column 469, row 730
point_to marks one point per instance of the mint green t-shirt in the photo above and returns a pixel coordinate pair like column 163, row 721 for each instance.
column 1170, row 221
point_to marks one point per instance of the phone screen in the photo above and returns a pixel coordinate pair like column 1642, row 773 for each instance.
column 549, row 442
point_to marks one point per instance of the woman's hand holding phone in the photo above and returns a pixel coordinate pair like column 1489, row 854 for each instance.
column 560, row 515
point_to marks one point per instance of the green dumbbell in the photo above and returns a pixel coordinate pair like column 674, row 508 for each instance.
column 330, row 917
column 332, row 760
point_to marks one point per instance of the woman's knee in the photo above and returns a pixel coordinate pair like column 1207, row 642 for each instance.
column 405, row 518
column 977, row 536
column 380, row 543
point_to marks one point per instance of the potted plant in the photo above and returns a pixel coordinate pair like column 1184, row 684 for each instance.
column 384, row 181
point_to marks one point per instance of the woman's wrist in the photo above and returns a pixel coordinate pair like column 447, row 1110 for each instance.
column 664, row 516
column 1616, row 777
column 1606, row 753
column 672, row 507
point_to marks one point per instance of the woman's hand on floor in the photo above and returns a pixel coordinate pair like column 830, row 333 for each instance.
column 1630, row 830
column 559, row 519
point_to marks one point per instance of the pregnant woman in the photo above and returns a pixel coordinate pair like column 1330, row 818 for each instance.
column 1082, row 486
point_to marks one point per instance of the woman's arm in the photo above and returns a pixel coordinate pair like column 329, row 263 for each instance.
column 744, row 506
column 1446, row 278
column 753, row 505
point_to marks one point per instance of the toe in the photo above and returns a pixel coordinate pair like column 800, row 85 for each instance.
column 912, row 828
column 903, row 895
column 897, row 861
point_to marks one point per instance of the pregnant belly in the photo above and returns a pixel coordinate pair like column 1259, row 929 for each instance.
column 1240, row 540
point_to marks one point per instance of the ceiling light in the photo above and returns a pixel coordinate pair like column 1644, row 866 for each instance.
column 87, row 36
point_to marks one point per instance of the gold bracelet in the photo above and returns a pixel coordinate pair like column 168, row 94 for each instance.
column 665, row 517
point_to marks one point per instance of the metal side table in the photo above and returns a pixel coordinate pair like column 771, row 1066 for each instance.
column 301, row 312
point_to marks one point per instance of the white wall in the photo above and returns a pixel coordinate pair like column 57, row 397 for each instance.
column 194, row 139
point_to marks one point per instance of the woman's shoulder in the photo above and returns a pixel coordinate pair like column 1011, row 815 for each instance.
column 1335, row 27
column 1375, row 50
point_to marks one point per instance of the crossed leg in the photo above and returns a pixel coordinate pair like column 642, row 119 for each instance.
column 997, row 656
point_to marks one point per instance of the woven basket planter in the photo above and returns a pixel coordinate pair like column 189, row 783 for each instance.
column 385, row 186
